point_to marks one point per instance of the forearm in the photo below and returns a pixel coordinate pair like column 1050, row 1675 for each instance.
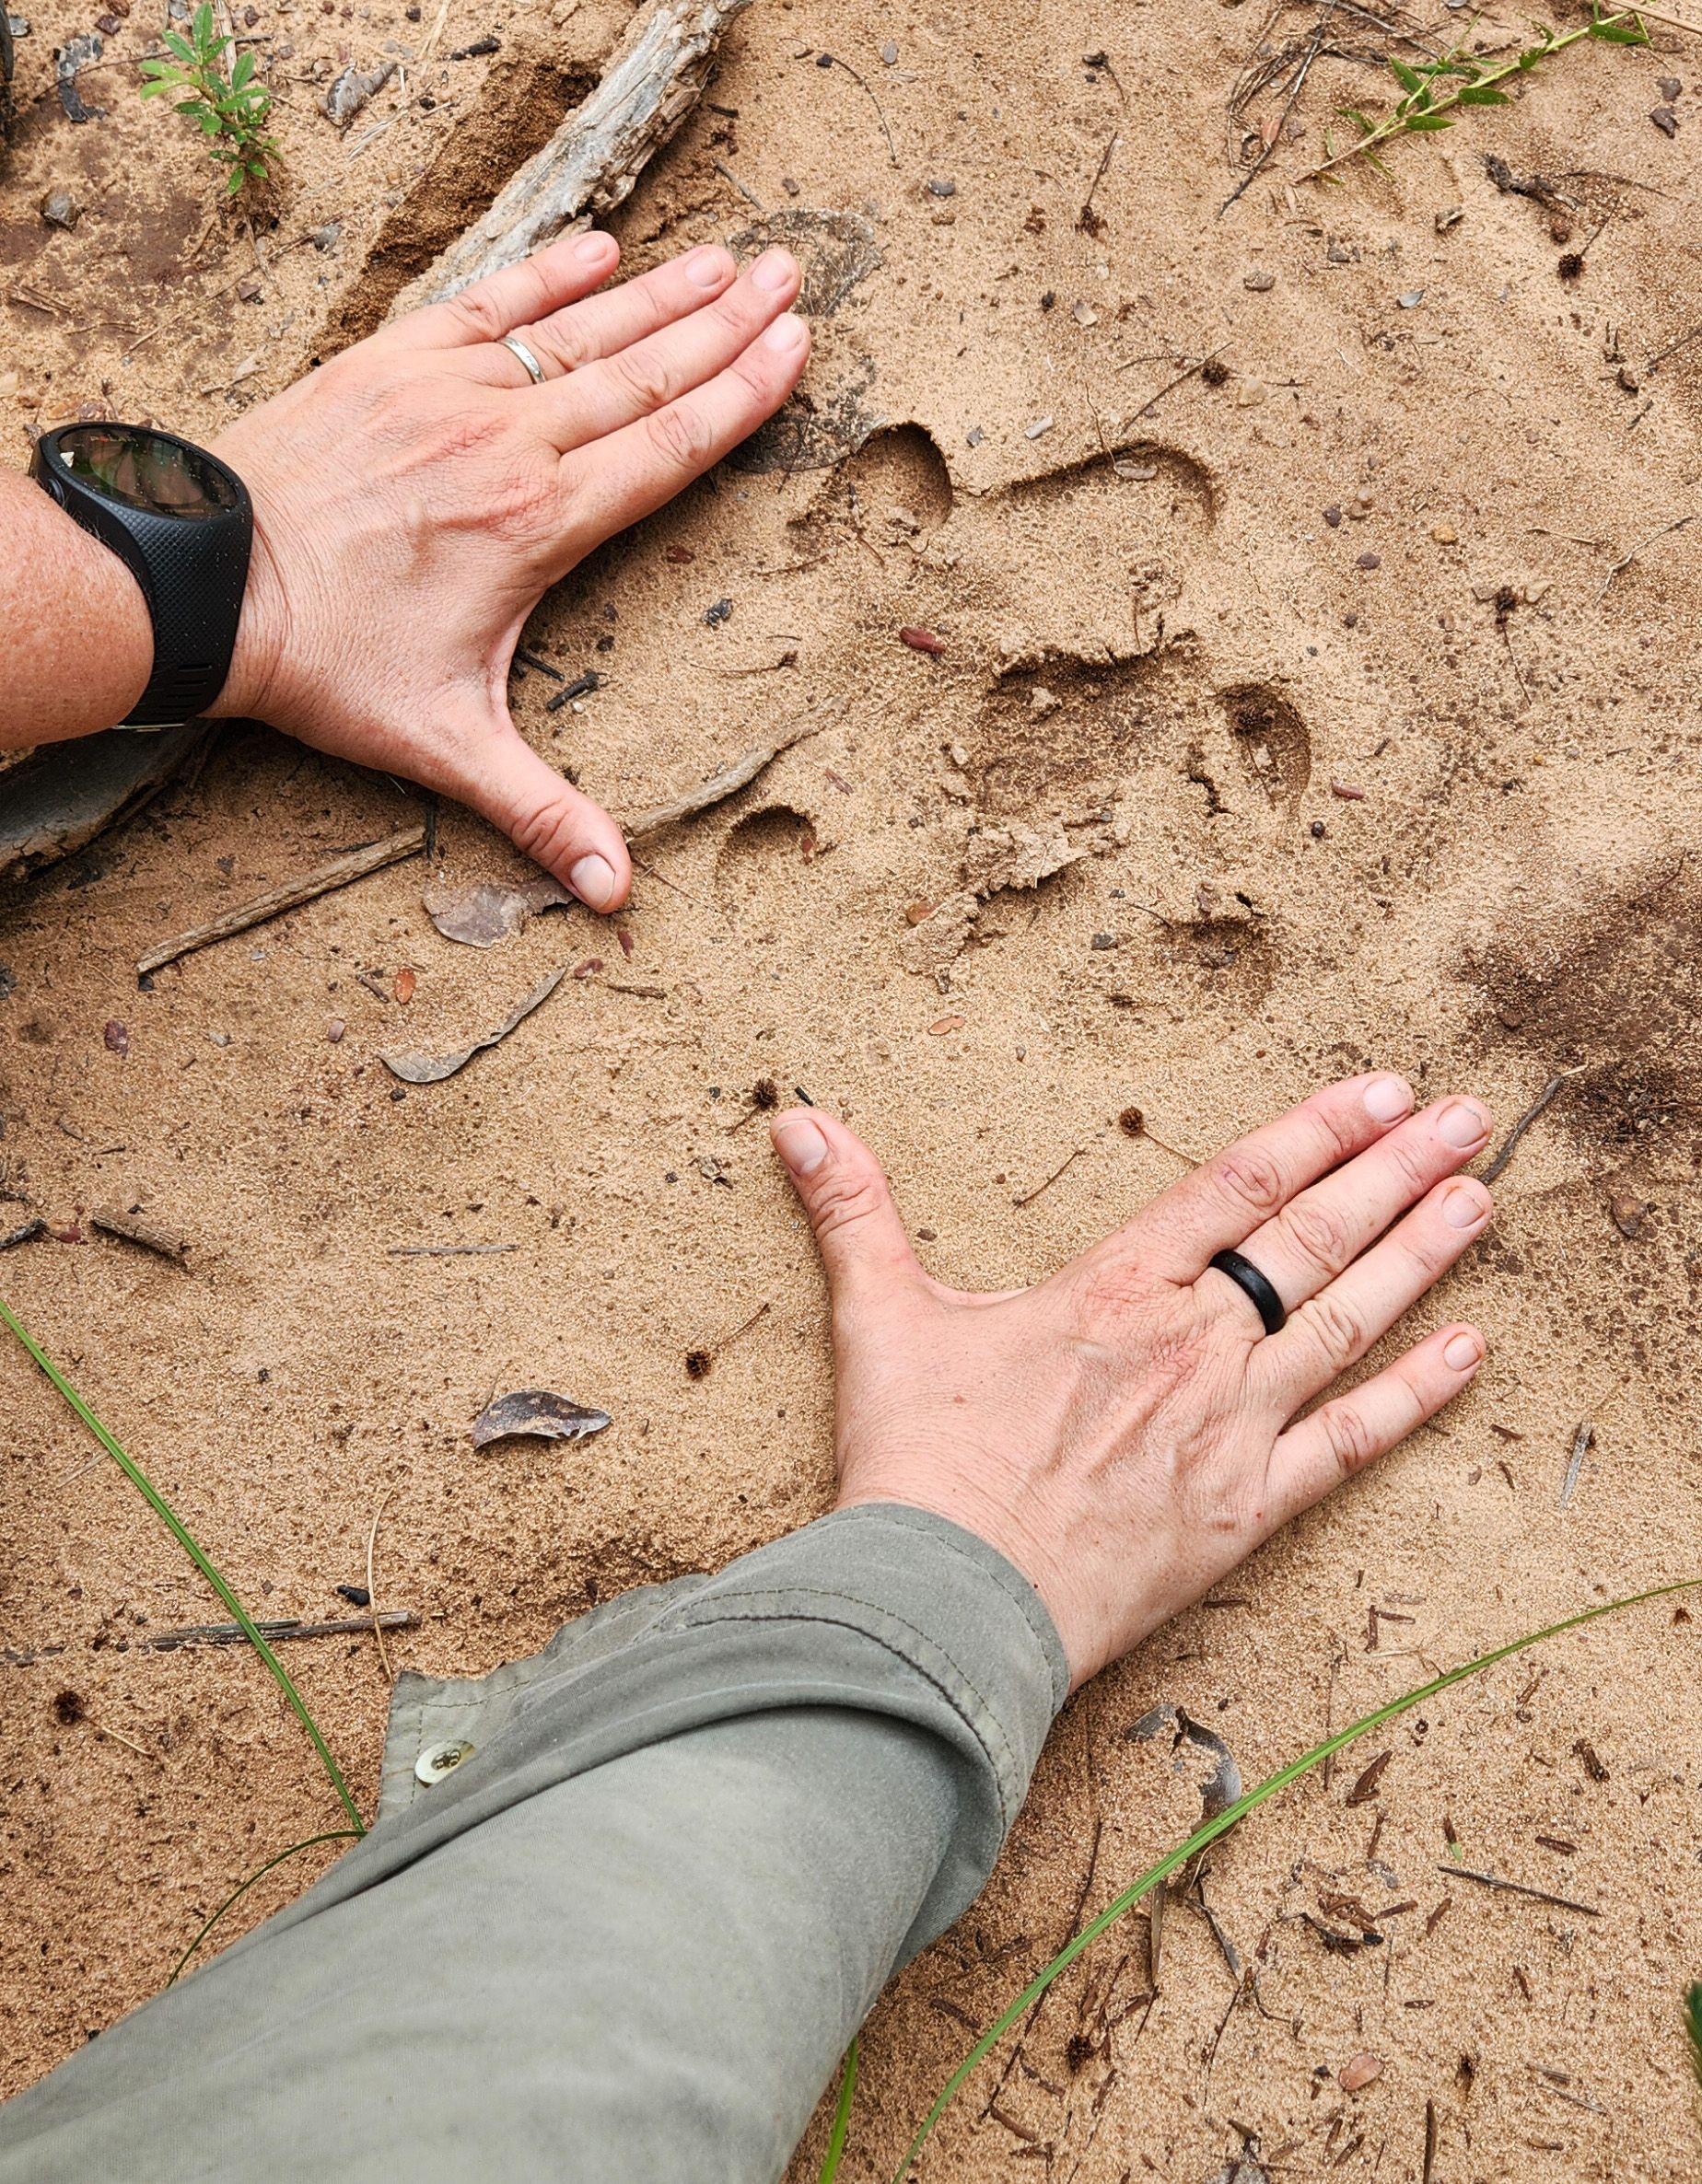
column 630, row 1936
column 79, row 645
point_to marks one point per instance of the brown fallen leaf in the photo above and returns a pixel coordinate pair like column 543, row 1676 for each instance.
column 486, row 911
column 416, row 1068
column 406, row 982
column 538, row 1412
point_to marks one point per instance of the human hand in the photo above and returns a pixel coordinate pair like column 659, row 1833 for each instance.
column 415, row 496
column 1125, row 1432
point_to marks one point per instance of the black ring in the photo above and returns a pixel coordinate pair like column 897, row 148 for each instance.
column 1254, row 1287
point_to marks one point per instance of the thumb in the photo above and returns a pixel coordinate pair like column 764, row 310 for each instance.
column 857, row 1228
column 550, row 821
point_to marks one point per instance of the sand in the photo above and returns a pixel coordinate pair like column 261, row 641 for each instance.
column 1318, row 687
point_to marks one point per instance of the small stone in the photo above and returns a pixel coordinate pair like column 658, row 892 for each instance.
column 959, row 756
column 1410, row 298
column 917, row 913
column 1084, row 314
column 60, row 209
column 1628, row 1213
column 117, row 1037
column 248, row 289
column 326, row 237
column 1339, row 254
column 942, row 186
column 1370, row 561
column 335, row 1029
column 888, row 54
column 974, row 437
column 1040, row 425
column 1665, row 119
column 1103, row 941
column 1333, row 517
column 715, row 616
column 939, row 1029
column 1317, row 830
column 1449, row 216
column 1260, row 282
column 1444, row 534
column 1360, row 2071
column 1042, row 701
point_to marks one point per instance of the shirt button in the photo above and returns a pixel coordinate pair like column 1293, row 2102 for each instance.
column 439, row 1759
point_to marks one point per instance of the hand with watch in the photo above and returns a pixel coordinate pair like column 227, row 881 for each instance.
column 406, row 504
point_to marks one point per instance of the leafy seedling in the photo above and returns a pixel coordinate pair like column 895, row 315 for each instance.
column 1219, row 1824
column 1431, row 92
column 230, row 110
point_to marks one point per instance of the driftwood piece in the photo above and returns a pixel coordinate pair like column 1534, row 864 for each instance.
column 592, row 163
column 342, row 1626
column 288, row 894
column 135, row 1228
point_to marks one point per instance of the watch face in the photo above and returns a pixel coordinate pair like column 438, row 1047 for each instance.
column 145, row 469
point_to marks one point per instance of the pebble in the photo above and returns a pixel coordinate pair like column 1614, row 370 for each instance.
column 1370, row 561
column 1665, row 119
column 1084, row 314
column 1449, row 216
column 1360, row 2071
column 60, row 209
column 1410, row 298
column 1333, row 517
column 1260, row 282
column 117, row 1037
column 715, row 616
column 1102, row 941
column 1444, row 534
column 1670, row 89
column 888, row 53
column 974, row 437
column 335, row 1029
column 1040, row 425
column 942, row 186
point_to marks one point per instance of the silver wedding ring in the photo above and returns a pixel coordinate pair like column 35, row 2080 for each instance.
column 513, row 343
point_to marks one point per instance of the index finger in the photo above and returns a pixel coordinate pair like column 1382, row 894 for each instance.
column 1228, row 1196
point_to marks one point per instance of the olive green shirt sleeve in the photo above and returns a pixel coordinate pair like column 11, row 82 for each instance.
column 626, row 1902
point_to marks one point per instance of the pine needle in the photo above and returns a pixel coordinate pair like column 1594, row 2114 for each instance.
column 242, row 1888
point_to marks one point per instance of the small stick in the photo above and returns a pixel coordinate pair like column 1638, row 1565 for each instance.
column 372, row 1597
column 118, row 1736
column 1085, row 216
column 287, row 895
column 150, row 1235
column 1493, row 1880
column 1581, row 1443
column 698, row 1361
column 1027, row 1196
column 727, row 175
column 22, row 1234
column 449, row 1250
column 1510, row 1143
column 879, row 113
column 1626, row 560
column 641, row 825
column 1181, row 379
column 343, row 1626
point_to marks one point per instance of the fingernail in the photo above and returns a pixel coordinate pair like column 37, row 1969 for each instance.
column 1463, row 1209
column 592, row 880
column 772, row 270
column 706, row 267
column 1388, row 1099
column 785, row 333
column 800, row 1145
column 590, row 248
column 1461, row 1124
column 1461, row 1350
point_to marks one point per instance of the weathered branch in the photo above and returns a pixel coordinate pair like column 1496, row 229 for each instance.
column 592, row 161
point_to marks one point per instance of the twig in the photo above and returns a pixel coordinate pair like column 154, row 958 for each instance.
column 880, row 114
column 1263, row 159
column 150, row 1235
column 1673, row 348
column 288, row 895
column 641, row 825
column 1027, row 1196
column 1626, row 560
column 343, row 1626
column 727, row 175
column 1086, row 219
column 1493, row 1880
column 449, row 1250
column 22, row 1232
column 372, row 1597
column 1510, row 1143
column 1582, row 1442
column 1181, row 379
column 436, row 32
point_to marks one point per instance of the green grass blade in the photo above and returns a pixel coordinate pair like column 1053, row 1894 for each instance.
column 1226, row 1819
column 242, row 1888
column 842, row 2116
column 1693, row 2025
column 181, row 1533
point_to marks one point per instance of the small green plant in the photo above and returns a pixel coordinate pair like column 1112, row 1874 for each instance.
column 1432, row 90
column 230, row 110
column 1208, row 1832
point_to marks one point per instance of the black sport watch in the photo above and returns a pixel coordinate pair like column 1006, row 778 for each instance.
column 184, row 524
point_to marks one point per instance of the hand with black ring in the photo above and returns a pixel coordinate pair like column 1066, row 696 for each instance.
column 1127, row 1432
column 415, row 496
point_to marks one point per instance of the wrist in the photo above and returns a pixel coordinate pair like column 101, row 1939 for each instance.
column 80, row 640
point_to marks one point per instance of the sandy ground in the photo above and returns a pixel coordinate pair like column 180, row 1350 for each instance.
column 1316, row 668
